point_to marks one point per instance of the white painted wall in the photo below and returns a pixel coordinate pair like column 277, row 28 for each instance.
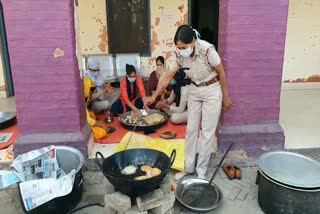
column 302, row 52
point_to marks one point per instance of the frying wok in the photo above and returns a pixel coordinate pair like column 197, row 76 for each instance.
column 112, row 166
column 130, row 126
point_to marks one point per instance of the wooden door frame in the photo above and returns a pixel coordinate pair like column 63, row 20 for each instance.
column 5, row 55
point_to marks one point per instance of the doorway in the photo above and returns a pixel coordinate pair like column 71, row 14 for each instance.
column 5, row 55
column 204, row 16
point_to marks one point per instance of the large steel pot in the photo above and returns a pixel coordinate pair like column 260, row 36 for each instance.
column 7, row 119
column 69, row 158
column 288, row 183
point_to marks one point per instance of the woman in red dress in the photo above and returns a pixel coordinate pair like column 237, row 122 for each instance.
column 132, row 92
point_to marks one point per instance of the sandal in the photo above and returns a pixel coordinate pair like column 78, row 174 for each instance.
column 229, row 171
column 111, row 130
column 237, row 172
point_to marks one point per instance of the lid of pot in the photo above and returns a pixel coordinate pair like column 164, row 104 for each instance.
column 6, row 116
column 291, row 169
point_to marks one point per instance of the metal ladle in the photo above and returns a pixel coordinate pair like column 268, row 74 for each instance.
column 144, row 113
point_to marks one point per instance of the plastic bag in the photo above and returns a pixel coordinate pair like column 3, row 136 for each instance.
column 162, row 145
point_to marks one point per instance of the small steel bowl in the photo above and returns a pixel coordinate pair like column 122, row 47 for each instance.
column 168, row 134
column 109, row 119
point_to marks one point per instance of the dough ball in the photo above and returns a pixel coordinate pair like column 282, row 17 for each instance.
column 155, row 172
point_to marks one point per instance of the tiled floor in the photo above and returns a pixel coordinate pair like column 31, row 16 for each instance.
column 239, row 196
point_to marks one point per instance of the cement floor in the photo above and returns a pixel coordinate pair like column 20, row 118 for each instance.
column 299, row 117
column 240, row 196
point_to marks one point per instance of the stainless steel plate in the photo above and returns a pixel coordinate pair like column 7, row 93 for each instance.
column 291, row 169
column 188, row 195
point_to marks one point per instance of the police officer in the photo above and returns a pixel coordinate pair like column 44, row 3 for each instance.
column 207, row 94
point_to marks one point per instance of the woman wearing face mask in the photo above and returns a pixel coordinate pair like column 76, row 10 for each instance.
column 132, row 92
column 157, row 76
column 176, row 104
column 103, row 95
column 207, row 94
column 98, row 127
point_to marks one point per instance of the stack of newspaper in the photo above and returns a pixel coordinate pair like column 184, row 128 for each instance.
column 39, row 177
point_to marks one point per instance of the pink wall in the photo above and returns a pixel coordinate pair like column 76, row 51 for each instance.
column 48, row 89
column 251, row 43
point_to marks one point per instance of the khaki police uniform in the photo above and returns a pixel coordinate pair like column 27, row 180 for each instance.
column 204, row 103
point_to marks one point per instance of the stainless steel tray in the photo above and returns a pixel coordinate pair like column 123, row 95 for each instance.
column 142, row 127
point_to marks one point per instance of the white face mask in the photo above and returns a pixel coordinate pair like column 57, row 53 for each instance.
column 186, row 52
column 132, row 79
column 95, row 73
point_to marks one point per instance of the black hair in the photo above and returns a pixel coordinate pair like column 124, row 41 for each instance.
column 181, row 81
column 184, row 34
column 130, row 69
column 161, row 59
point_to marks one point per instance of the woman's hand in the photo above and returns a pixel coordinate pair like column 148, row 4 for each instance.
column 107, row 88
column 227, row 104
column 148, row 110
column 161, row 104
column 89, row 99
column 163, row 97
column 137, row 113
column 148, row 101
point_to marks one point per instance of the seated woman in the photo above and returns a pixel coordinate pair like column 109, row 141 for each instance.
column 176, row 104
column 132, row 92
column 100, row 100
column 156, row 77
column 99, row 128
